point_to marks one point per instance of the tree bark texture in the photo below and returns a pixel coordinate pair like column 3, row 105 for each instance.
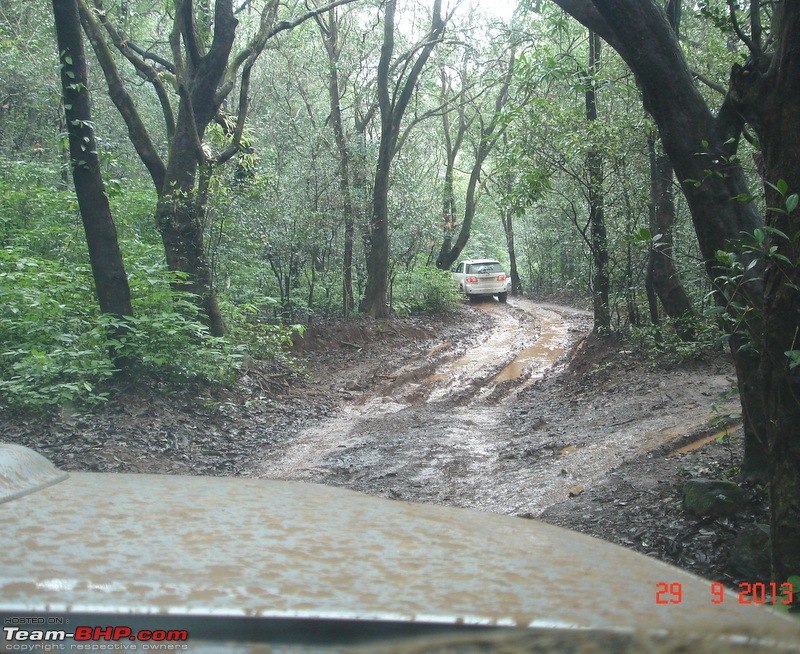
column 108, row 270
column 766, row 94
column 392, row 107
column 601, row 283
column 661, row 271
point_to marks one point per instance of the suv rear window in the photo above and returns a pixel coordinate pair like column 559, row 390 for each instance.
column 490, row 267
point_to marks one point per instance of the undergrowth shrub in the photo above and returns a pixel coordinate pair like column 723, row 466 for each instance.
column 52, row 348
column 424, row 290
column 56, row 343
column 661, row 343
column 249, row 327
column 166, row 337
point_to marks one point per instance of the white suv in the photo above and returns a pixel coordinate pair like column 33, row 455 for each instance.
column 477, row 277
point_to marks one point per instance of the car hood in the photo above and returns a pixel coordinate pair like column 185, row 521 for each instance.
column 149, row 544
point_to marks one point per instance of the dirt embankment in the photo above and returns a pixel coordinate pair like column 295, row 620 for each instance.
column 504, row 408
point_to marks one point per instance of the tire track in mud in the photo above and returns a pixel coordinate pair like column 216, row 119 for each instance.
column 432, row 429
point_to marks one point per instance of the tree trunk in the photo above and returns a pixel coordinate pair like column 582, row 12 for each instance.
column 768, row 95
column 662, row 274
column 392, row 108
column 375, row 299
column 330, row 38
column 447, row 257
column 204, row 74
column 661, row 270
column 489, row 135
column 452, row 146
column 508, row 227
column 179, row 218
column 108, row 270
column 700, row 147
column 594, row 163
column 443, row 261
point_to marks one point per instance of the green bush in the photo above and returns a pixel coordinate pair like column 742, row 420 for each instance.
column 660, row 343
column 57, row 344
column 424, row 290
column 259, row 338
column 53, row 350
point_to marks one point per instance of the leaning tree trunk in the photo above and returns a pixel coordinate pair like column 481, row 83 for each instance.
column 108, row 270
column 768, row 95
column 450, row 253
column 489, row 135
column 662, row 274
column 443, row 260
column 453, row 140
column 700, row 146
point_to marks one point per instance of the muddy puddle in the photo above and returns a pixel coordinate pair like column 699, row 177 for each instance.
column 448, row 427
column 435, row 424
column 535, row 360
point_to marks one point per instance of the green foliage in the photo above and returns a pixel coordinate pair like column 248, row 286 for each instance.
column 794, row 358
column 661, row 344
column 424, row 290
column 259, row 338
column 788, row 597
column 57, row 347
column 53, row 350
column 167, row 338
column 735, row 274
column 57, row 344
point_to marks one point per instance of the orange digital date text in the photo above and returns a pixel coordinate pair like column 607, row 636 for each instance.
column 748, row 593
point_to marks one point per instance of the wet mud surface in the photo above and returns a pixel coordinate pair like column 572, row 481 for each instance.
column 492, row 427
column 435, row 428
column 512, row 409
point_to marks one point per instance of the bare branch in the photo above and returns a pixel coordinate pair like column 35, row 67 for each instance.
column 752, row 47
column 184, row 18
column 287, row 25
column 119, row 96
column 246, row 60
column 710, row 84
column 436, row 111
column 145, row 54
column 143, row 68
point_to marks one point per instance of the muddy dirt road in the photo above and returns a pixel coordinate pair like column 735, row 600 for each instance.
column 477, row 408
column 464, row 427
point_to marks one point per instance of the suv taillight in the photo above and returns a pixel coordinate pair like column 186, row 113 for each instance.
column 501, row 278
column 471, row 280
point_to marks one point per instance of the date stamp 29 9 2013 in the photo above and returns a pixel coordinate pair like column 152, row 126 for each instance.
column 747, row 593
